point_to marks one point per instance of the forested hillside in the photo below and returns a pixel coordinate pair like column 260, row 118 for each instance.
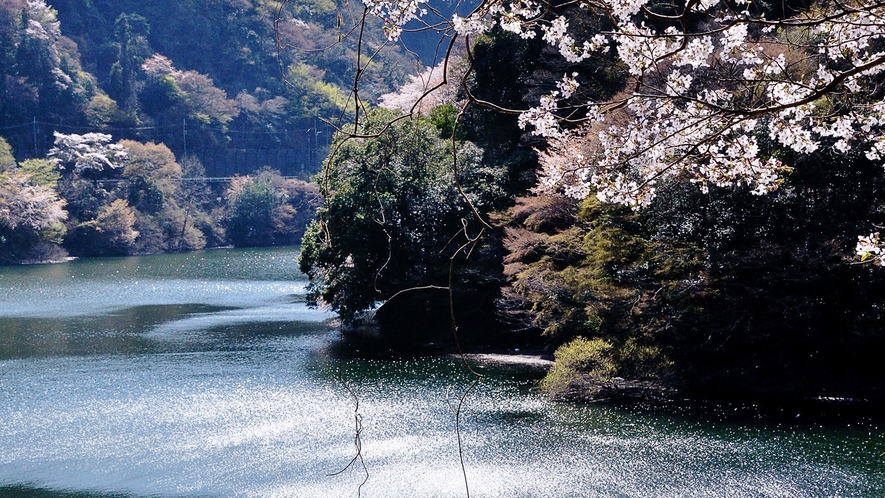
column 202, row 77
column 121, row 123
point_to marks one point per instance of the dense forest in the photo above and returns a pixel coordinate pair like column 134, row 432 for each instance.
column 114, row 113
column 198, row 76
column 120, row 122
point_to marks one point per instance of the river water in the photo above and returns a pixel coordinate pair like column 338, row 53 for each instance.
column 205, row 375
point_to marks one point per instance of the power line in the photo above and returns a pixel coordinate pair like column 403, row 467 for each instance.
column 183, row 126
column 211, row 179
column 25, row 125
column 93, row 128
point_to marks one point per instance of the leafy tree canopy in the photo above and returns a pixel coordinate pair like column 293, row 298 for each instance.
column 393, row 215
column 267, row 209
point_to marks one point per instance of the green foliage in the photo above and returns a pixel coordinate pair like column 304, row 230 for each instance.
column 151, row 173
column 577, row 361
column 40, row 73
column 103, row 111
column 135, row 198
column 165, row 206
column 160, row 94
column 309, row 95
column 111, row 233
column 84, row 68
column 583, row 368
column 719, row 292
column 180, row 231
column 42, row 171
column 84, row 198
column 443, row 117
column 170, row 97
column 151, row 161
column 268, row 209
column 7, row 160
column 593, row 271
column 779, row 308
column 145, row 195
column 130, row 33
column 568, row 267
column 167, row 213
column 393, row 214
column 251, row 206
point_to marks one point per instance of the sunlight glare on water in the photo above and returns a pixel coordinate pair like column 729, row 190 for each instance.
column 221, row 382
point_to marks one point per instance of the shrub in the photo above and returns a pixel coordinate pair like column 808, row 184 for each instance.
column 579, row 363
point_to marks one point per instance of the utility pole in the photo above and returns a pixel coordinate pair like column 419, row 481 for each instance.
column 184, row 133
column 34, row 128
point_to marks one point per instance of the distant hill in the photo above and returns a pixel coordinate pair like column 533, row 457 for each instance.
column 204, row 77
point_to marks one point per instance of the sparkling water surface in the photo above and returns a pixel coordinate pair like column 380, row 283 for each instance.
column 205, row 375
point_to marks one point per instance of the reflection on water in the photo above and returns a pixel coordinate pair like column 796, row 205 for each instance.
column 205, row 375
column 233, row 278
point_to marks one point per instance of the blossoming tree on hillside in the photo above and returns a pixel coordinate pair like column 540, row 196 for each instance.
column 26, row 206
column 31, row 217
column 89, row 152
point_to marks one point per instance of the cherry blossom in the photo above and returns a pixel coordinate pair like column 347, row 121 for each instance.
column 91, row 151
column 24, row 204
column 707, row 78
column 432, row 87
column 870, row 248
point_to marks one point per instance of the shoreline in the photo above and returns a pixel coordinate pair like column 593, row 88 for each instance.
column 724, row 405
column 526, row 360
column 655, row 394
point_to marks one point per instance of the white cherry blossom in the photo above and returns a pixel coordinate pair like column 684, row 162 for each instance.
column 706, row 80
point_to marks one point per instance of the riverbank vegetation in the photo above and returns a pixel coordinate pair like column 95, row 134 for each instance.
column 394, row 222
column 121, row 122
column 656, row 237
column 91, row 197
